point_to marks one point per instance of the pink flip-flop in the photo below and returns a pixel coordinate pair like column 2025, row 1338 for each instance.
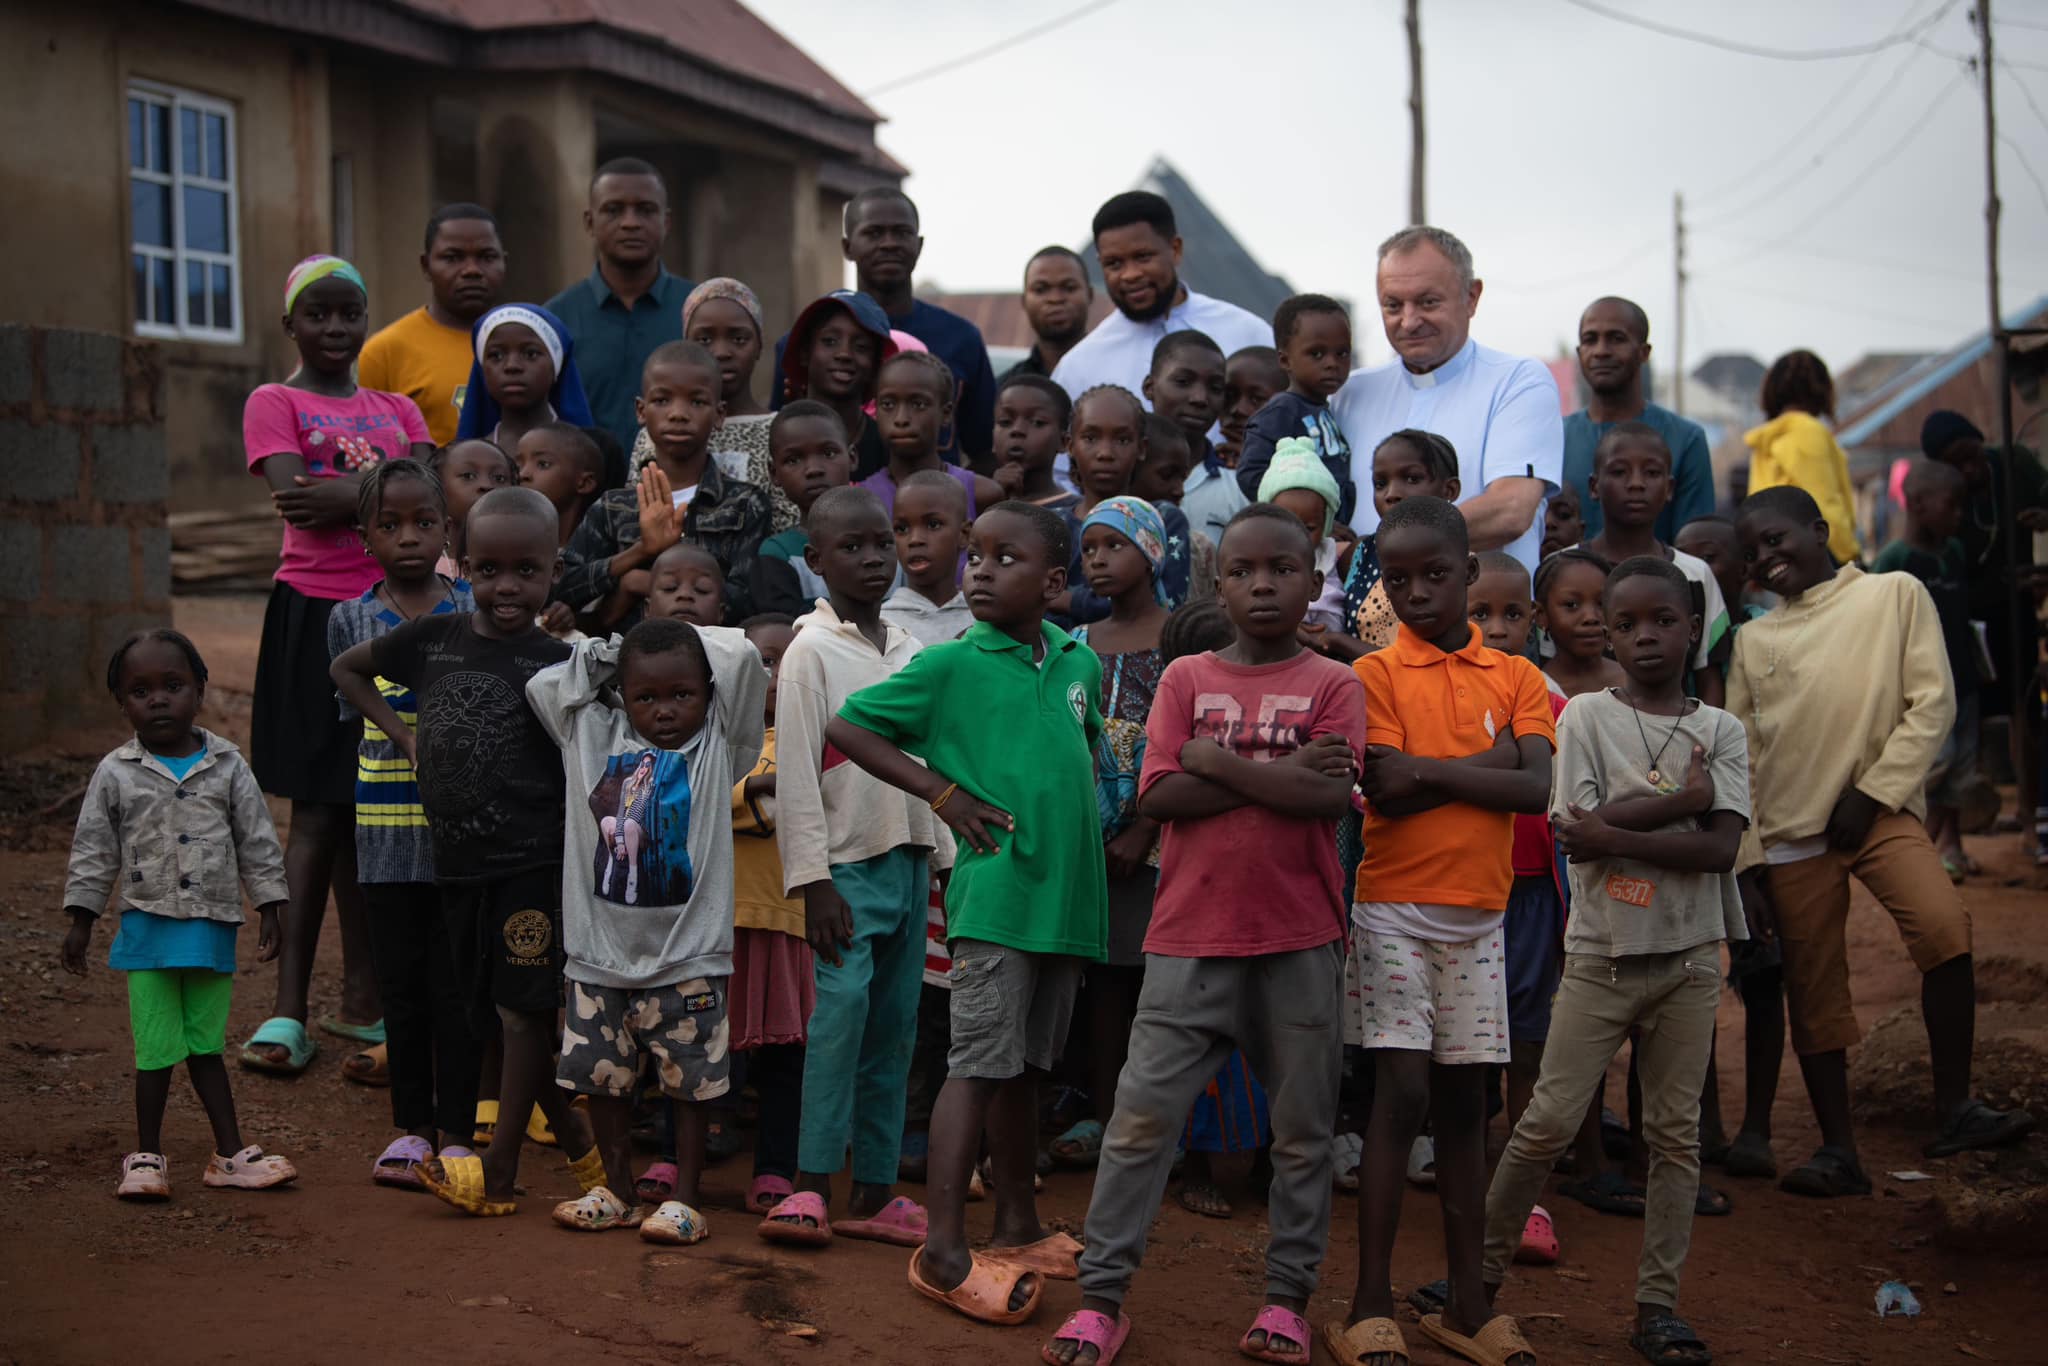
column 1277, row 1320
column 1091, row 1329
column 1539, row 1240
column 779, row 1227
column 399, row 1166
column 767, row 1191
column 900, row 1222
column 657, row 1183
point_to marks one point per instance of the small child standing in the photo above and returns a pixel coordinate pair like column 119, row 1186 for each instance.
column 913, row 408
column 564, row 464
column 1188, row 387
column 524, row 377
column 1652, row 797
column 490, row 780
column 1249, row 761
column 859, row 853
column 1935, row 497
column 433, row 1055
column 773, row 991
column 1631, row 481
column 807, row 451
column 1123, row 543
column 1251, row 376
column 646, row 919
column 684, row 584
column 1458, row 739
column 467, row 471
column 1313, row 335
column 930, row 523
column 1107, row 444
column 1032, row 416
column 1407, row 464
column 833, row 354
column 173, row 820
column 681, row 494
column 1570, row 585
column 1026, row 903
column 1301, row 484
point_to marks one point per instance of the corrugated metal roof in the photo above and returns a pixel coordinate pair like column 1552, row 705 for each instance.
column 1916, row 383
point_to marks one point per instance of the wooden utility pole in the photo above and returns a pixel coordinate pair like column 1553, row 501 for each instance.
column 1416, row 207
column 1678, row 302
column 2019, row 668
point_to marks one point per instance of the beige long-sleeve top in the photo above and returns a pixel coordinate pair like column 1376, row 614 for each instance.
column 831, row 810
column 1846, row 685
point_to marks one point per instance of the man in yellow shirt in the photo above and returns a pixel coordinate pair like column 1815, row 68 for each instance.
column 426, row 354
column 1845, row 692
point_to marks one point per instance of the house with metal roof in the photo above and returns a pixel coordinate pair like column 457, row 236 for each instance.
column 1885, row 423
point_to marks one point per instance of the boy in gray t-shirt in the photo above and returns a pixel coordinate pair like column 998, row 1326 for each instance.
column 1650, row 801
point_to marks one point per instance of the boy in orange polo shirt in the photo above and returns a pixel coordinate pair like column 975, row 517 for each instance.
column 1458, row 740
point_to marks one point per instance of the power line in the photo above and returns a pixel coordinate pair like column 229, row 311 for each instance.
column 1862, row 178
column 1834, row 304
column 966, row 59
column 2020, row 155
column 1627, row 258
column 1819, row 54
column 2025, row 94
column 1841, row 258
column 2037, row 24
column 1820, row 116
column 1855, row 125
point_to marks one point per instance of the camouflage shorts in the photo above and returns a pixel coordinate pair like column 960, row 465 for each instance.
column 682, row 1027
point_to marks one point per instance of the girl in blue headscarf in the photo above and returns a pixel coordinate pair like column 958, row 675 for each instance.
column 523, row 377
column 1123, row 550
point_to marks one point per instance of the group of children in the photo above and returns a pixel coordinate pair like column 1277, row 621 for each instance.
column 626, row 783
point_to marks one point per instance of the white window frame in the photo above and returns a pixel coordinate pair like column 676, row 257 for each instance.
column 176, row 179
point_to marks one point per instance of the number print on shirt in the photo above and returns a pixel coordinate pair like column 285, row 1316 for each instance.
column 1281, row 726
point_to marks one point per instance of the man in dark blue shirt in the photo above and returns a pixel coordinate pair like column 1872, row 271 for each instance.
column 883, row 243
column 629, row 304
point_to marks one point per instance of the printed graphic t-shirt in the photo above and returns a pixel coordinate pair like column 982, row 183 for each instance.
column 336, row 437
column 490, row 777
column 1252, row 880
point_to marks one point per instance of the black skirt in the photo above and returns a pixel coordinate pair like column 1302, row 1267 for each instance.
column 299, row 747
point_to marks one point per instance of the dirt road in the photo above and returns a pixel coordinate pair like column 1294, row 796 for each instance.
column 335, row 1270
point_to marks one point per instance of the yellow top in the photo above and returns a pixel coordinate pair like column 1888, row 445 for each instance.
column 426, row 362
column 757, row 899
column 1797, row 448
column 1846, row 685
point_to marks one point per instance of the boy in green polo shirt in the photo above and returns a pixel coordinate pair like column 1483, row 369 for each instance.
column 1006, row 720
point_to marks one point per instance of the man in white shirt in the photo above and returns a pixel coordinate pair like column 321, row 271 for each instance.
column 1499, row 412
column 1139, row 248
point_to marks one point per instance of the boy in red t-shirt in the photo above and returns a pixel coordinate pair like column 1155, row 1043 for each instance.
column 1458, row 740
column 1249, row 761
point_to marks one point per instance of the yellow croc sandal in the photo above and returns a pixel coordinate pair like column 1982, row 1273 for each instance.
column 460, row 1182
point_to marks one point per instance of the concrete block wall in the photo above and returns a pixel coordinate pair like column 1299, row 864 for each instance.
column 85, row 553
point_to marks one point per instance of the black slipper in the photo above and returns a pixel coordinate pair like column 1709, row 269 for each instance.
column 1828, row 1174
column 1711, row 1202
column 1669, row 1341
column 1750, row 1155
column 1609, row 1192
column 1977, row 1125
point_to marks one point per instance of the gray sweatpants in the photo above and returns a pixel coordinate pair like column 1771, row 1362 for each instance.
column 1281, row 1009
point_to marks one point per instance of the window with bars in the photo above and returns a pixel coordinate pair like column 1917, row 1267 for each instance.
column 185, row 263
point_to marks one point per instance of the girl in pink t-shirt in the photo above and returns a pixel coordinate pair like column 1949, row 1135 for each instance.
column 310, row 438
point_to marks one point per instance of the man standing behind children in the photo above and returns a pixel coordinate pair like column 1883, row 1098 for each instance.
column 1458, row 738
column 1248, row 764
column 1007, row 719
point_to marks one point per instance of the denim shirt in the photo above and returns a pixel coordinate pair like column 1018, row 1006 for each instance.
column 186, row 850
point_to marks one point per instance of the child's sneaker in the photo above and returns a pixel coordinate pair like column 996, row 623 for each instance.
column 251, row 1169
column 143, row 1178
column 676, row 1224
column 598, row 1210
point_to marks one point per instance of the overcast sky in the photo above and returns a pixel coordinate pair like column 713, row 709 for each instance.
column 1556, row 140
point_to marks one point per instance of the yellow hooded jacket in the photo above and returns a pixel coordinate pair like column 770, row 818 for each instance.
column 1797, row 448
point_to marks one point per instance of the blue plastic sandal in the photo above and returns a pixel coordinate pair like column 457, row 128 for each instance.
column 283, row 1032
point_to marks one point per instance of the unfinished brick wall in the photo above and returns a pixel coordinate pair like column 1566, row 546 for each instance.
column 85, row 556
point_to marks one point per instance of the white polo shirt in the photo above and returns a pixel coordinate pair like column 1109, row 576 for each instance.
column 1499, row 412
column 1119, row 351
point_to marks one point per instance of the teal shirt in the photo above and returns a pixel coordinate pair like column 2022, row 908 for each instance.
column 613, row 342
column 1020, row 737
column 147, row 941
column 1692, row 468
